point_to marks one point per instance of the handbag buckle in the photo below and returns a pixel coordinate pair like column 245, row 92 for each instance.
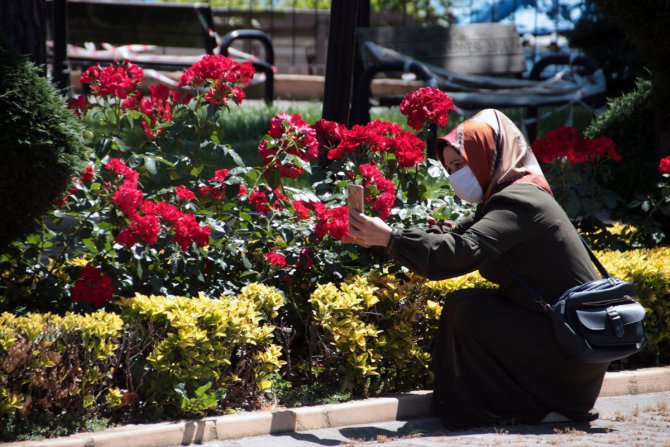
column 615, row 320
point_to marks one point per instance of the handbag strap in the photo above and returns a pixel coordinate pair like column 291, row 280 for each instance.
column 594, row 259
column 536, row 296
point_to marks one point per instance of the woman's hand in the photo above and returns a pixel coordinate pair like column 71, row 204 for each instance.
column 367, row 231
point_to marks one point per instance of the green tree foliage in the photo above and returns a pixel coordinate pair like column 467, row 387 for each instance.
column 628, row 122
column 40, row 145
column 646, row 25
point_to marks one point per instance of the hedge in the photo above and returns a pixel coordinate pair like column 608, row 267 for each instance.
column 41, row 147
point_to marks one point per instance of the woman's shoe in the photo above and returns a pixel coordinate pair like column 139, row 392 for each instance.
column 553, row 418
column 586, row 416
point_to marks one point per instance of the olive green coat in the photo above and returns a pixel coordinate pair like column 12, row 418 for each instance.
column 496, row 358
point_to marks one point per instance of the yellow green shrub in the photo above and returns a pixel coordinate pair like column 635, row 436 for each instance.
column 380, row 327
column 649, row 269
column 337, row 311
column 374, row 333
column 55, row 364
column 201, row 352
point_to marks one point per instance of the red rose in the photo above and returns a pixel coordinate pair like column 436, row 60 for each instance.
column 132, row 102
column 188, row 230
column 263, row 199
column 130, row 176
column 426, row 105
column 168, row 212
column 79, row 104
column 329, row 133
column 301, row 210
column 306, row 259
column 147, row 228
column 408, row 149
column 126, row 237
column 88, row 174
column 275, row 259
column 184, row 193
column 384, row 204
column 664, row 165
column 92, row 287
column 334, row 222
column 225, row 78
column 219, row 175
column 290, row 136
column 127, row 199
column 117, row 80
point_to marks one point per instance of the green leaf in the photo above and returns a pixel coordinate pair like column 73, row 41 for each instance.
column 120, row 145
column 156, row 283
column 646, row 206
column 200, row 391
column 33, row 239
column 150, row 164
column 90, row 244
column 274, row 178
column 435, row 171
column 304, row 164
column 235, row 156
column 196, row 170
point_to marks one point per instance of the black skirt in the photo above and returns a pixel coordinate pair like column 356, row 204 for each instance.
column 496, row 362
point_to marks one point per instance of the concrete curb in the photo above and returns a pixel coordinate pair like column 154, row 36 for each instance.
column 381, row 409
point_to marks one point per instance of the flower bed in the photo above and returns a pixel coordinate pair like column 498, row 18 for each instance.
column 188, row 282
column 174, row 356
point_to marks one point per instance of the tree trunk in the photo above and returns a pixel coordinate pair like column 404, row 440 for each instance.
column 23, row 24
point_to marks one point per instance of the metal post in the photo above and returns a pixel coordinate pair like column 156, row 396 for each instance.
column 59, row 70
column 293, row 24
column 340, row 60
column 358, row 68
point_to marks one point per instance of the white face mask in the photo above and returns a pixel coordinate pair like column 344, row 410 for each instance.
column 466, row 186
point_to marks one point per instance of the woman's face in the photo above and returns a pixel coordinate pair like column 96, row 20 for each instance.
column 453, row 161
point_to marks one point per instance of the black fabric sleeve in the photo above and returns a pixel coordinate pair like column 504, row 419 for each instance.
column 435, row 256
column 504, row 224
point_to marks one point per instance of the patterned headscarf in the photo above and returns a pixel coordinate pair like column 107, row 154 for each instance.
column 496, row 151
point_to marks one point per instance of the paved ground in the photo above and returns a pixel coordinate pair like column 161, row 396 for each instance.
column 629, row 421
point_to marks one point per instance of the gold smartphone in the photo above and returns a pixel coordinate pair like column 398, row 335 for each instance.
column 355, row 198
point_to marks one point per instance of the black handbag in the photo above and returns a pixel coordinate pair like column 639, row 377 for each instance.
column 596, row 322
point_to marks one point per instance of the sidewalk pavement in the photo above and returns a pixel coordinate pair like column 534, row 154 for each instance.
column 641, row 420
column 639, row 416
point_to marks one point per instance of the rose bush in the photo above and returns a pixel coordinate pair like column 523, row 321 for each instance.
column 164, row 207
column 579, row 170
column 653, row 224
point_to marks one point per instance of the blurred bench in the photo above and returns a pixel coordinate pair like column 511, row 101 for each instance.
column 159, row 36
column 483, row 48
column 479, row 66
